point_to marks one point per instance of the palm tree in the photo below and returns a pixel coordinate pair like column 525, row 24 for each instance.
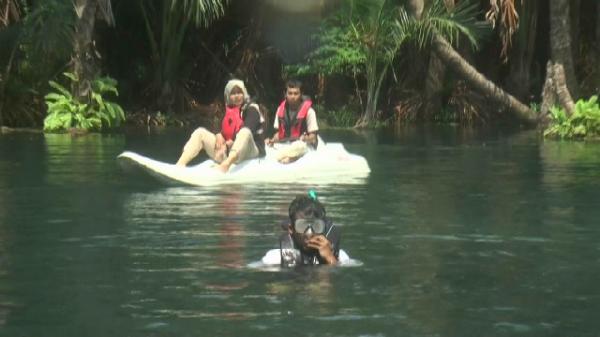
column 9, row 12
column 83, row 61
column 381, row 27
column 364, row 37
column 166, row 28
column 479, row 82
column 522, row 51
column 598, row 25
column 372, row 23
column 436, row 71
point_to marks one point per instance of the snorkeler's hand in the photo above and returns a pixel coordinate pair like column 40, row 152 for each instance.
column 323, row 246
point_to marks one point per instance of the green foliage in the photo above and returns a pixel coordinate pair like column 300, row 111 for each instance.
column 450, row 24
column 363, row 39
column 66, row 111
column 203, row 12
column 583, row 123
column 446, row 115
column 344, row 117
column 32, row 51
column 338, row 52
column 166, row 27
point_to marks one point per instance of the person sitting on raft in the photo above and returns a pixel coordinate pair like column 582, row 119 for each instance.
column 241, row 135
column 296, row 122
column 310, row 237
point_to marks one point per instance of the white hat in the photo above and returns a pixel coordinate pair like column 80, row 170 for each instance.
column 232, row 84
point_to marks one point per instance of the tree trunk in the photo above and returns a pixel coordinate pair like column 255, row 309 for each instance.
column 83, row 61
column 371, row 106
column 434, row 82
column 521, row 56
column 574, row 26
column 436, row 71
column 598, row 25
column 548, row 92
column 375, row 75
column 415, row 7
column 555, row 90
column 560, row 41
column 562, row 92
column 480, row 82
column 4, row 81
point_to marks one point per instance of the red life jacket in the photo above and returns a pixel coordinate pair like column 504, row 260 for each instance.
column 232, row 123
column 298, row 124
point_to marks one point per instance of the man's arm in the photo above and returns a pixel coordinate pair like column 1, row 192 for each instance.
column 310, row 138
column 312, row 128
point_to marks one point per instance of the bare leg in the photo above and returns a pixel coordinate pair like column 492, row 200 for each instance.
column 243, row 148
column 226, row 164
column 292, row 153
column 201, row 139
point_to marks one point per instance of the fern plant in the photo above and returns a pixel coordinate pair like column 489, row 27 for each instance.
column 66, row 111
column 584, row 123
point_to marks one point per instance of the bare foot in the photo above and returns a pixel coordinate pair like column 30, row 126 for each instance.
column 287, row 160
column 223, row 167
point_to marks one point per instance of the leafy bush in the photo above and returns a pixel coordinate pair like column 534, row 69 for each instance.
column 65, row 111
column 583, row 123
column 344, row 117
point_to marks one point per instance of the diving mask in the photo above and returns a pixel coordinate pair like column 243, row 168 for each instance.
column 313, row 226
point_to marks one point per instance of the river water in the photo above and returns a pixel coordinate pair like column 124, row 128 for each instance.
column 460, row 232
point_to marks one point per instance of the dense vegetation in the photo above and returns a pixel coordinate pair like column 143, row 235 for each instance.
column 365, row 62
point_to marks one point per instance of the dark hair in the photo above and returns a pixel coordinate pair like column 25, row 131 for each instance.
column 293, row 83
column 305, row 207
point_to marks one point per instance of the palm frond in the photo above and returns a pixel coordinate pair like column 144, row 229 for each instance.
column 49, row 29
column 203, row 12
column 12, row 11
column 505, row 13
column 106, row 11
column 461, row 20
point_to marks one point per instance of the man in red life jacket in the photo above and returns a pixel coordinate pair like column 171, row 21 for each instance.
column 241, row 135
column 296, row 122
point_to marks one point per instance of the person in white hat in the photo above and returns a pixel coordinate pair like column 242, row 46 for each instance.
column 241, row 136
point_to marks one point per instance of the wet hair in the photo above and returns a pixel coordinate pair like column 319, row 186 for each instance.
column 295, row 84
column 304, row 207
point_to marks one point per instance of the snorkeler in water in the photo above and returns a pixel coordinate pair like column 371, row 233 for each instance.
column 310, row 237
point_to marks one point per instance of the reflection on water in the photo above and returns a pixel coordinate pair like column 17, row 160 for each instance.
column 460, row 232
column 79, row 159
column 5, row 302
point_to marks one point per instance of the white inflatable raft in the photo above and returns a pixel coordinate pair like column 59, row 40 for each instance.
column 329, row 164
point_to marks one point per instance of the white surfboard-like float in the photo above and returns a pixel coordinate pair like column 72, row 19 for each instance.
column 329, row 164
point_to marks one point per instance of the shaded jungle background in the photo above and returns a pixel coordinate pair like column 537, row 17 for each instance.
column 172, row 58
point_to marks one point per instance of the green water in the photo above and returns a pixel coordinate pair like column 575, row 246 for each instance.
column 460, row 232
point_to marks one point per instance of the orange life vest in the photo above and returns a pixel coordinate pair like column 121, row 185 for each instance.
column 297, row 125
